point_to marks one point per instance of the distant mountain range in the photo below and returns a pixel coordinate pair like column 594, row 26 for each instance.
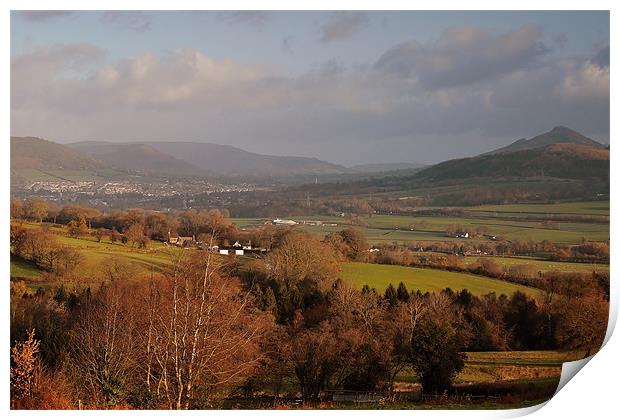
column 561, row 153
column 178, row 159
column 234, row 162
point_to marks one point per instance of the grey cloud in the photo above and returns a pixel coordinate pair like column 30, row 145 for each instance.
column 464, row 55
column 37, row 76
column 560, row 40
column 42, row 15
column 128, row 20
column 342, row 25
column 601, row 58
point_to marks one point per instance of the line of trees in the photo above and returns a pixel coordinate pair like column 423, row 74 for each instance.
column 137, row 227
column 525, row 274
column 586, row 251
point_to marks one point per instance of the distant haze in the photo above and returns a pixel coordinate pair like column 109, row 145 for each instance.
column 345, row 87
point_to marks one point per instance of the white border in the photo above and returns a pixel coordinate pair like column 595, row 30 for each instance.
column 591, row 395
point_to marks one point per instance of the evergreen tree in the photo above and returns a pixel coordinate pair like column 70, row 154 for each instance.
column 402, row 293
column 435, row 355
column 391, row 296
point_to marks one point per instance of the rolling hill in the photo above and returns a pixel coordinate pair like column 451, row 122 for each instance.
column 576, row 169
column 558, row 134
column 560, row 153
column 137, row 157
column 36, row 153
column 160, row 159
column 560, row 160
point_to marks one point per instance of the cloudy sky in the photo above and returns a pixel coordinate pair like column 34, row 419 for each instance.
column 347, row 87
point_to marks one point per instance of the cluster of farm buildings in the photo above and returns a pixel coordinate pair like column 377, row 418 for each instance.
column 286, row 222
column 237, row 248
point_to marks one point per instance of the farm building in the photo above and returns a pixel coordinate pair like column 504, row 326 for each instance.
column 285, row 222
column 231, row 251
column 183, row 241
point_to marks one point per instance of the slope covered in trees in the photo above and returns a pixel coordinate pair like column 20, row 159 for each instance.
column 562, row 160
column 36, row 153
column 556, row 135
column 138, row 157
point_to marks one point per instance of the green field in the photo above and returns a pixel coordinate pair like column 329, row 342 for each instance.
column 23, row 269
column 426, row 280
column 581, row 208
column 157, row 257
column 544, row 265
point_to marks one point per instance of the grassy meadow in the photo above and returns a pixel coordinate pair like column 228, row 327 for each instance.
column 544, row 265
column 426, row 280
column 156, row 257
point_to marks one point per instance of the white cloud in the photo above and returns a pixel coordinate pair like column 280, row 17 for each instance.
column 589, row 83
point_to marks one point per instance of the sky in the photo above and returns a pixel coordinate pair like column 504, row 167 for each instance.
column 347, row 87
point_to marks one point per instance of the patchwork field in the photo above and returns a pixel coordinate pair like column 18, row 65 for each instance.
column 510, row 222
column 426, row 280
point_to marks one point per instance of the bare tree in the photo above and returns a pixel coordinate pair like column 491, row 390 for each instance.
column 202, row 333
column 583, row 322
column 35, row 209
column 103, row 343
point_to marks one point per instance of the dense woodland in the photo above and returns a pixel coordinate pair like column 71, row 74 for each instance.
column 210, row 328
